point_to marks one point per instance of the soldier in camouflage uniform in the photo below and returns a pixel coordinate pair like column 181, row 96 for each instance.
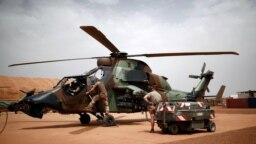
column 102, row 94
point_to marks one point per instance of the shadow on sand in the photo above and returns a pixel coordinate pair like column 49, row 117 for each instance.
column 88, row 127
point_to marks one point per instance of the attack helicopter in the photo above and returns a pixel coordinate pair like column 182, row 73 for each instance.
column 126, row 80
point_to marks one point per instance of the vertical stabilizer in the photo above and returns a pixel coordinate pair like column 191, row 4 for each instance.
column 220, row 94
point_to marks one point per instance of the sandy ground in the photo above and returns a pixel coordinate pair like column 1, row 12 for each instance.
column 236, row 126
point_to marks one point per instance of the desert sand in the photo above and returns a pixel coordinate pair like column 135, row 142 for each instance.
column 234, row 126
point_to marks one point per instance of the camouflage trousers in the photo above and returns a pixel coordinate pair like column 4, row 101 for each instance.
column 104, row 97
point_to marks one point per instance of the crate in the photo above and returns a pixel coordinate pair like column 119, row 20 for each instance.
column 252, row 102
column 237, row 103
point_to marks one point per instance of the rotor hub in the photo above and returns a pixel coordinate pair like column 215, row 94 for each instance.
column 119, row 54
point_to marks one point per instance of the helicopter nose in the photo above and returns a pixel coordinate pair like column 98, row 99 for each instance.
column 48, row 99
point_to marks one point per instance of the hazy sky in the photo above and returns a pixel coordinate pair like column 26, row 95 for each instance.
column 35, row 30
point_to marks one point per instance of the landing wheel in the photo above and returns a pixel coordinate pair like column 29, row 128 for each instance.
column 109, row 120
column 211, row 126
column 173, row 128
column 84, row 118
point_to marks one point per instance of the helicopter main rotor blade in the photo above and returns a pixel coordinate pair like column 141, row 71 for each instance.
column 194, row 76
column 203, row 68
column 185, row 54
column 100, row 37
column 51, row 61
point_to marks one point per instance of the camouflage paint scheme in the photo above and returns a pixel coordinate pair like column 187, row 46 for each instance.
column 126, row 80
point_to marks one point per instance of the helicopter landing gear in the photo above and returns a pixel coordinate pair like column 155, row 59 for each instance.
column 109, row 120
column 99, row 116
column 106, row 120
column 84, row 118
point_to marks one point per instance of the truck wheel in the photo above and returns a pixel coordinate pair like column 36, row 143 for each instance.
column 211, row 127
column 173, row 128
column 164, row 130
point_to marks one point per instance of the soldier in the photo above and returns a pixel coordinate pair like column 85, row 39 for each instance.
column 152, row 98
column 102, row 94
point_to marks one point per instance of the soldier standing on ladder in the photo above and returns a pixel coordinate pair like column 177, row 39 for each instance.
column 102, row 94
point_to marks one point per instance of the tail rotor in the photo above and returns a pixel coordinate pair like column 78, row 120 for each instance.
column 199, row 76
column 205, row 77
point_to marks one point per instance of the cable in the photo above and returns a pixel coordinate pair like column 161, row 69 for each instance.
column 5, row 123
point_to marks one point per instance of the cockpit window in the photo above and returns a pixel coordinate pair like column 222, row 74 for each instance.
column 99, row 74
column 72, row 85
column 76, row 83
